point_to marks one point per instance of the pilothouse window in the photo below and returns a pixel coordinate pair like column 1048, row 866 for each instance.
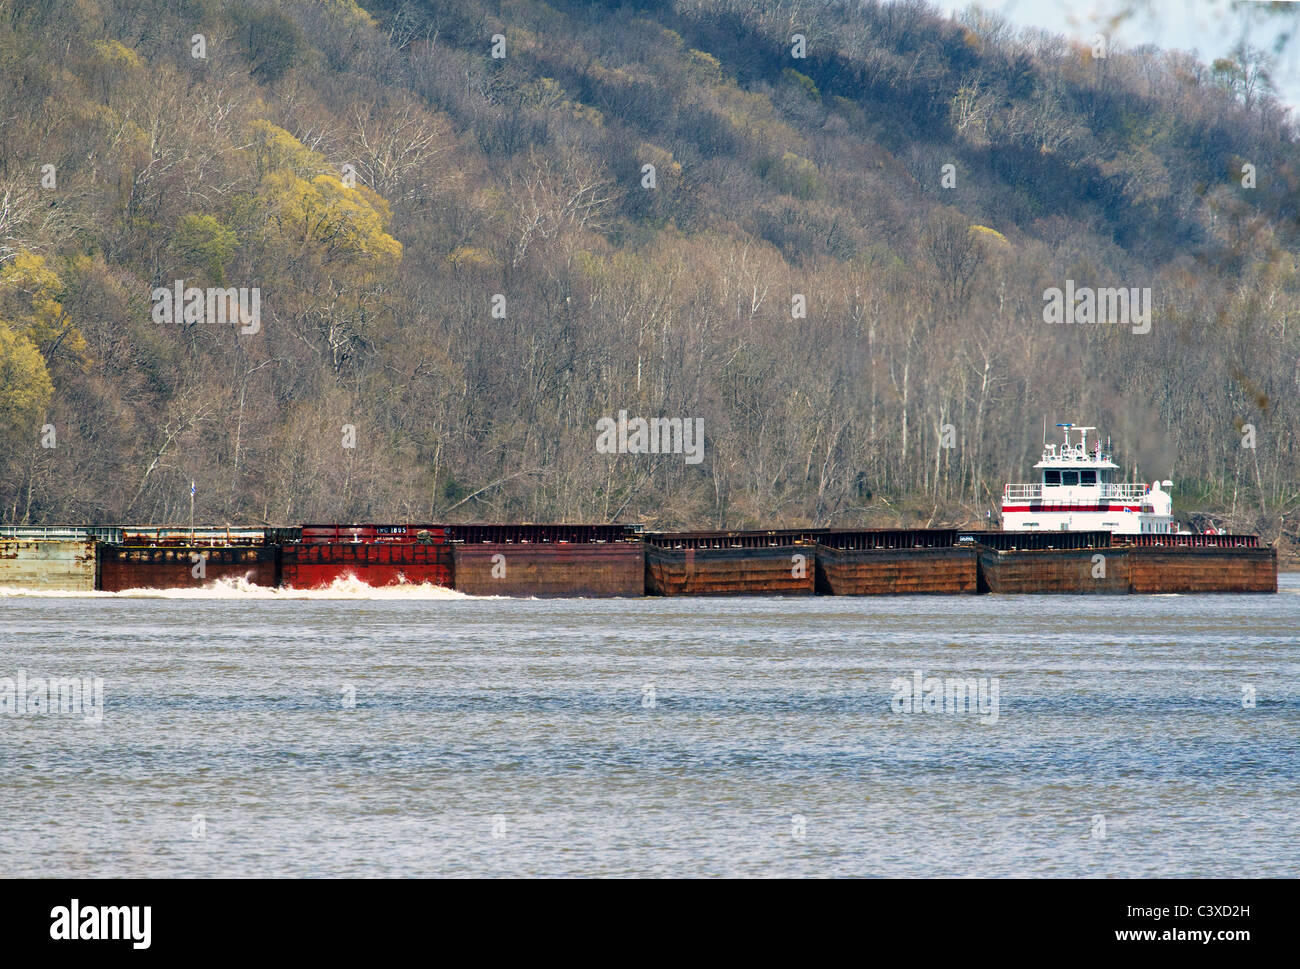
column 1069, row 478
column 1088, row 477
column 1051, row 477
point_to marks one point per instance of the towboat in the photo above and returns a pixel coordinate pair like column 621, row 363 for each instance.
column 1077, row 490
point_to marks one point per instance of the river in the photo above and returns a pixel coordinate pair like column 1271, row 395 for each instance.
column 419, row 732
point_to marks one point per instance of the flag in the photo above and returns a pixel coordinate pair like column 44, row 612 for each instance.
column 191, row 487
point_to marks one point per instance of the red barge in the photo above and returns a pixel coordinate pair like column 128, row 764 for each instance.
column 319, row 556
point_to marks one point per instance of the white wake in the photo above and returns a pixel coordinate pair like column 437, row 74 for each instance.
column 344, row 587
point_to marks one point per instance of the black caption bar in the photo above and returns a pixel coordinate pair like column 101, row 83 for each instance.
column 147, row 919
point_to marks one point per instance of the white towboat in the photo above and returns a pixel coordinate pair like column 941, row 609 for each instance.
column 1076, row 491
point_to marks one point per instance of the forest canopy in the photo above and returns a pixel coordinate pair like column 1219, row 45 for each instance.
column 825, row 230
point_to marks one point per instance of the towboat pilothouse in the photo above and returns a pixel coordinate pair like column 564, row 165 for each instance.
column 1076, row 491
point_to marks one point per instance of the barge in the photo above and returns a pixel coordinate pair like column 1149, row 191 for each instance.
column 1230, row 563
column 916, row 561
column 548, row 561
column 318, row 565
column 766, row 562
column 62, row 564
column 548, row 571
column 782, row 562
column 124, row 567
column 1074, row 531
column 159, row 557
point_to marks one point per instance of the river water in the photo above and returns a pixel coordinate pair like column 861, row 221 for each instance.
column 419, row 732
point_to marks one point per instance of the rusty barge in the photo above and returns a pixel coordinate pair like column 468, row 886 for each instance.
column 896, row 562
column 730, row 563
column 593, row 561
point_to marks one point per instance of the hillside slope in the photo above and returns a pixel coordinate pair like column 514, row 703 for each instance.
column 462, row 266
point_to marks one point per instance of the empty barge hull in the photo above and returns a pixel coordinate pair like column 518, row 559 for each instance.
column 734, row 570
column 1087, row 571
column 550, row 570
column 65, row 565
column 123, row 567
column 320, row 564
column 1156, row 570
column 902, row 571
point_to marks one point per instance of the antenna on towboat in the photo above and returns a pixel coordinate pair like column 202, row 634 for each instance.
column 1083, row 440
column 1066, row 429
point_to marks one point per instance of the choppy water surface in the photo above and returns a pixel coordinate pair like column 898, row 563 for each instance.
column 653, row 737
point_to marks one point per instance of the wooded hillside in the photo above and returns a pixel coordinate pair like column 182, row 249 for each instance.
column 380, row 178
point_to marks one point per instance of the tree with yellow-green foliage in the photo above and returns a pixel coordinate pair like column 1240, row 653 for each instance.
column 25, row 387
column 309, row 207
column 206, row 244
column 31, row 308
